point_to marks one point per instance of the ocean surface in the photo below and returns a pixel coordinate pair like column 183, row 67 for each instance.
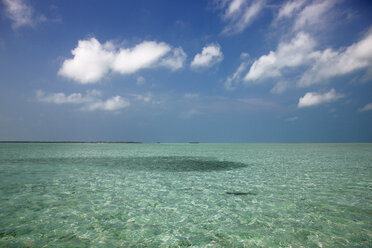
column 180, row 195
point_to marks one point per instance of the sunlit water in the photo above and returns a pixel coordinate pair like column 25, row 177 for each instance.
column 178, row 195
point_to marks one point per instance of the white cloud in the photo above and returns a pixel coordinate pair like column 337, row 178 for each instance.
column 209, row 56
column 313, row 14
column 143, row 55
column 93, row 60
column 233, row 7
column 367, row 107
column 240, row 14
column 314, row 98
column 288, row 55
column 191, row 95
column 89, row 102
column 279, row 87
column 111, row 104
column 61, row 98
column 307, row 14
column 233, row 80
column 90, row 63
column 330, row 63
column 289, row 8
column 175, row 60
column 22, row 14
column 298, row 58
column 19, row 12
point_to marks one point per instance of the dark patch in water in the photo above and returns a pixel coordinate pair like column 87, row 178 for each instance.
column 240, row 193
column 153, row 163
column 10, row 233
column 181, row 164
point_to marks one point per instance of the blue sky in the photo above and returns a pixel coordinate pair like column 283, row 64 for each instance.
column 179, row 71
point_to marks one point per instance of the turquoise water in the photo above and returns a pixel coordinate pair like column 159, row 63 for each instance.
column 179, row 195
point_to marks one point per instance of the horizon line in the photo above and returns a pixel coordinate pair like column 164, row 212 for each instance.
column 185, row 142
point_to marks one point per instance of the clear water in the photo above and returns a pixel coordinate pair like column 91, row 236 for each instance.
column 178, row 195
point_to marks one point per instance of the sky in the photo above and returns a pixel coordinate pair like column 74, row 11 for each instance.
column 181, row 71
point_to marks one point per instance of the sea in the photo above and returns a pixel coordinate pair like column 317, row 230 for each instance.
column 185, row 195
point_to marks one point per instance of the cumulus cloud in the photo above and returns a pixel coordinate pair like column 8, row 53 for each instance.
column 209, row 56
column 19, row 12
column 367, row 107
column 298, row 59
column 143, row 55
column 90, row 63
column 89, row 102
column 330, row 63
column 92, row 60
column 111, row 104
column 61, row 98
column 314, row 98
column 175, row 60
column 240, row 14
column 288, row 55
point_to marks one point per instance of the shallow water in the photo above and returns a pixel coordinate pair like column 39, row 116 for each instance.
column 177, row 195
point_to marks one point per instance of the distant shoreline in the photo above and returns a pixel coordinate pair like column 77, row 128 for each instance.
column 95, row 142
column 190, row 142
